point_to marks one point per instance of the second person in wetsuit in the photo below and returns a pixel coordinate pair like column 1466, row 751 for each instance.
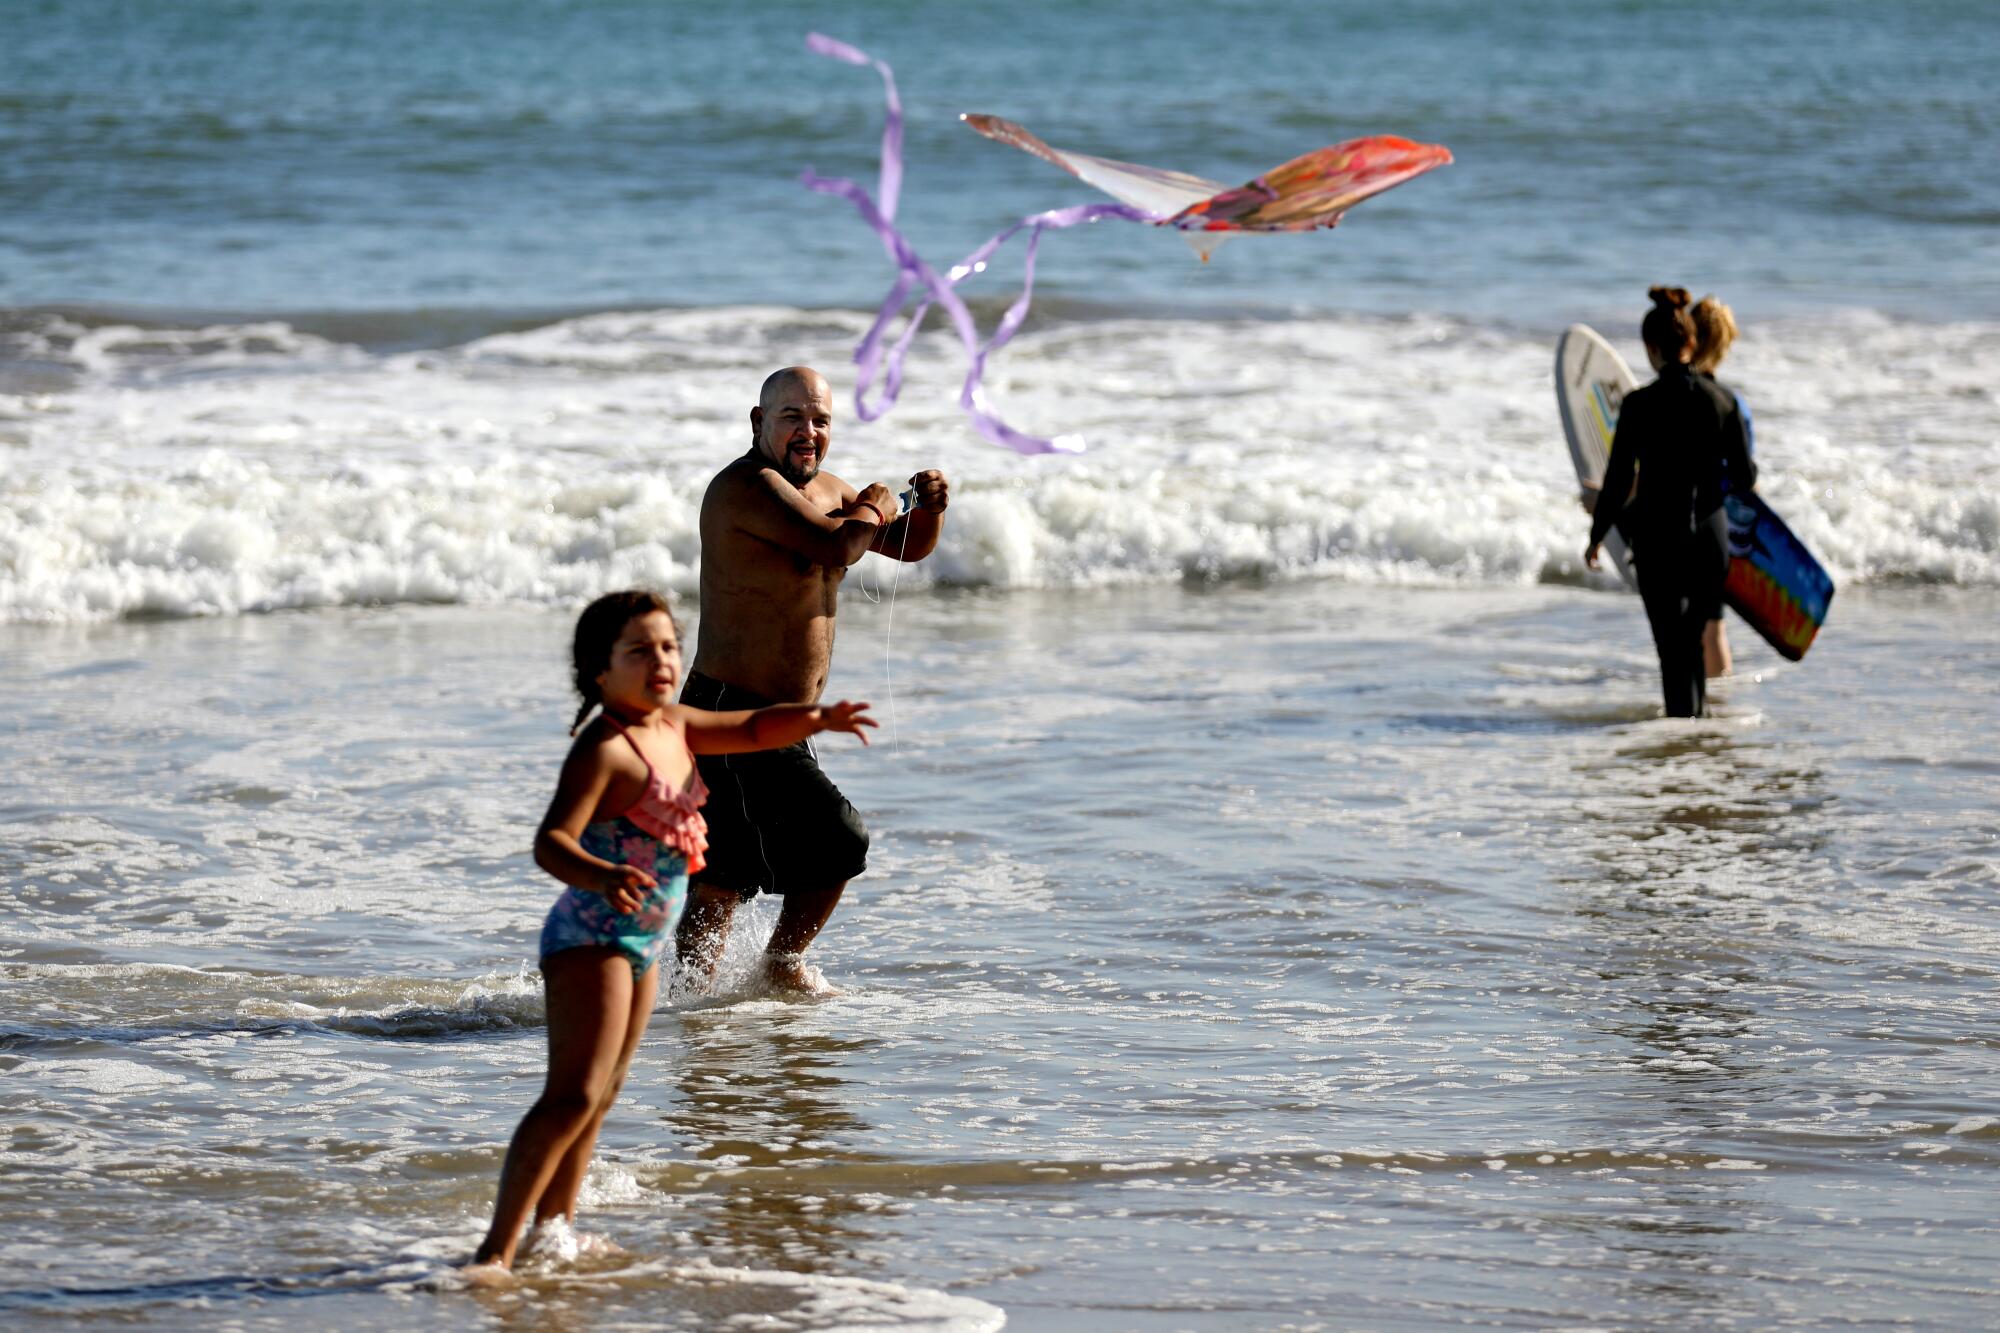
column 1677, row 435
column 1714, row 332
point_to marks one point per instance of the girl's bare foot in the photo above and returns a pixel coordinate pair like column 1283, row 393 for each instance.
column 593, row 1246
column 553, row 1240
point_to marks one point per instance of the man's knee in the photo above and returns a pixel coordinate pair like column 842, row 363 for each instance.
column 706, row 900
column 815, row 900
column 709, row 908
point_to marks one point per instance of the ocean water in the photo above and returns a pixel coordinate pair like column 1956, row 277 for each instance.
column 1288, row 909
column 344, row 154
column 1295, row 956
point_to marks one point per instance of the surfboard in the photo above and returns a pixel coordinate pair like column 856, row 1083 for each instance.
column 1774, row 582
column 1591, row 381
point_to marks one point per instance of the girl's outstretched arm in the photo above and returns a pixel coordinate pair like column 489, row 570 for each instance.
column 770, row 728
column 585, row 776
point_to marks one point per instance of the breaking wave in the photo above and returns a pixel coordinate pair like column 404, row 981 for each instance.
column 236, row 468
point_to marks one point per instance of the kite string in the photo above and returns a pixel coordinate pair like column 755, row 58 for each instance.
column 940, row 290
column 889, row 637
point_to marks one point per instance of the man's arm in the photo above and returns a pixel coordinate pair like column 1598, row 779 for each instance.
column 915, row 534
column 911, row 537
column 773, row 510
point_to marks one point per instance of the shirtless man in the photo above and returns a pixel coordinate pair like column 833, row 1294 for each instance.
column 777, row 538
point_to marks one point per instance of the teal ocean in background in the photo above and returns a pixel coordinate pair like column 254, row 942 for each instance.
column 1287, row 908
column 369, row 155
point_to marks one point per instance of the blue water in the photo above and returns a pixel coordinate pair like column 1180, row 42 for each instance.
column 1286, row 908
column 502, row 156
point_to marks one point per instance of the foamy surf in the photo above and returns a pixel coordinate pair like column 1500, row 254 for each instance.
column 240, row 469
column 823, row 1304
column 152, row 997
column 702, row 1295
column 568, row 1270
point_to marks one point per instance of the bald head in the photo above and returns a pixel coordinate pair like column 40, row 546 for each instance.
column 779, row 382
column 793, row 422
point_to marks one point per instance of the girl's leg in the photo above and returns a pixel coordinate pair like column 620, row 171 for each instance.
column 559, row 1196
column 1715, row 650
column 589, row 999
column 1708, row 575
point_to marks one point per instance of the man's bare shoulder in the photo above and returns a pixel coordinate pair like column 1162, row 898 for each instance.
column 737, row 473
column 828, row 491
column 741, row 482
column 748, row 480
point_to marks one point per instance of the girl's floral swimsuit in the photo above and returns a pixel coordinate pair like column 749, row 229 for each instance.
column 662, row 834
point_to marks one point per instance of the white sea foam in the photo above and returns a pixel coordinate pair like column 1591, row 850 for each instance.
column 104, row 1077
column 219, row 471
column 757, row 1298
column 385, row 1006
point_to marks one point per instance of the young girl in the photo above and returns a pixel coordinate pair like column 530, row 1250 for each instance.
column 624, row 831
column 1714, row 332
column 1679, row 436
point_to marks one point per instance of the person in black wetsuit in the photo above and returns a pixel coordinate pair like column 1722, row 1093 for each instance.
column 1677, row 435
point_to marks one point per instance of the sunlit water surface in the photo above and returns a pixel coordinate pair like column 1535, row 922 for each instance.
column 1263, row 955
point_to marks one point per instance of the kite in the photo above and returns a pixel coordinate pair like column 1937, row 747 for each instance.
column 1304, row 194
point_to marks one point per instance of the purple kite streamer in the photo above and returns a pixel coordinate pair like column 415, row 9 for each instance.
column 912, row 272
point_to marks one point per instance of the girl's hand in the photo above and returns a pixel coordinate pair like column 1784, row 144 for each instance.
column 845, row 716
column 626, row 887
column 1590, row 555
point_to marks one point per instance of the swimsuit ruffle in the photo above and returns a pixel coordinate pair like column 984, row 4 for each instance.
column 676, row 823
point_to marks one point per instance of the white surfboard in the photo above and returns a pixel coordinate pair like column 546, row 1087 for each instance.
column 1591, row 383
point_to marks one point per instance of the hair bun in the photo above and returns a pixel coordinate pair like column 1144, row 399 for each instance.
column 1670, row 298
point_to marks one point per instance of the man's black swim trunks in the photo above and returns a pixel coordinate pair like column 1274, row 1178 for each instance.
column 775, row 821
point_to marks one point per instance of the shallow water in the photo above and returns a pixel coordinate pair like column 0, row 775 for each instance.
column 1257, row 955
column 1287, row 910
